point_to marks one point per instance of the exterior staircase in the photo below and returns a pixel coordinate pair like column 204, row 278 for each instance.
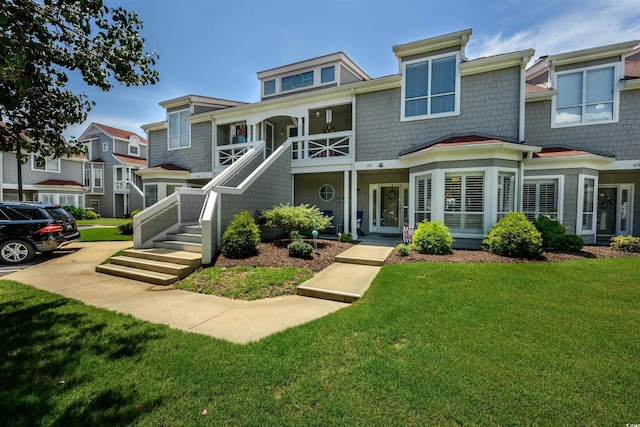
column 166, row 262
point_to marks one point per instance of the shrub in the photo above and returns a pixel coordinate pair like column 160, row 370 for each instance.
column 295, row 235
column 432, row 237
column 402, row 249
column 345, row 237
column 241, row 238
column 77, row 213
column 135, row 212
column 300, row 249
column 300, row 218
column 126, row 228
column 567, row 243
column 549, row 229
column 625, row 243
column 89, row 214
column 514, row 236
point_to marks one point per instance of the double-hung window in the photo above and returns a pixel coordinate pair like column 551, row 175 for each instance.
column 45, row 164
column 431, row 87
column 179, row 130
column 540, row 197
column 464, row 202
column 585, row 97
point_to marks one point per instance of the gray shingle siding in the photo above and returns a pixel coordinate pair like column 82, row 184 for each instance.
column 585, row 64
column 620, row 139
column 347, row 76
column 157, row 147
column 197, row 157
column 453, row 49
column 489, row 104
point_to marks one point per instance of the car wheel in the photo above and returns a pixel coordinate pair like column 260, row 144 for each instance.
column 16, row 251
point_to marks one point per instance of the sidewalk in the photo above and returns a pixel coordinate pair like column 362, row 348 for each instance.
column 74, row 276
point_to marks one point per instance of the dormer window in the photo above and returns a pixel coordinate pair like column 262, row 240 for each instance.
column 297, row 81
column 586, row 96
column 328, row 74
column 179, row 130
column 269, row 87
column 134, row 145
column 430, row 87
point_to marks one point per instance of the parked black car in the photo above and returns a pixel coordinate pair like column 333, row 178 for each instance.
column 27, row 228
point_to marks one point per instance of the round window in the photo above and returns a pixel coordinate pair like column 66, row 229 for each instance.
column 327, row 192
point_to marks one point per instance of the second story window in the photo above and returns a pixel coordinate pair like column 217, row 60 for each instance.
column 430, row 87
column 297, row 81
column 179, row 130
column 269, row 87
column 586, row 96
column 328, row 74
column 42, row 164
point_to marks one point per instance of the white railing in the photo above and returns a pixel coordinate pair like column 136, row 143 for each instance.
column 121, row 186
column 227, row 155
column 323, row 147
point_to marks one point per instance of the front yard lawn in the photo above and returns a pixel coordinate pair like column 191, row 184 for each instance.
column 103, row 234
column 428, row 344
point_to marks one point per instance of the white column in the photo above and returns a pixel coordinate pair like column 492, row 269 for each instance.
column 346, row 202
column 354, row 204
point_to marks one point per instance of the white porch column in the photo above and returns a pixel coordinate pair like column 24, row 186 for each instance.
column 354, row 204
column 346, row 202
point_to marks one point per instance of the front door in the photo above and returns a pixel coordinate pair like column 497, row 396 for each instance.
column 614, row 209
column 387, row 210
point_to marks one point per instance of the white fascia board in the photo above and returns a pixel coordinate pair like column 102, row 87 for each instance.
column 155, row 126
column 590, row 161
column 631, row 84
column 320, row 168
column 200, row 175
column 380, row 164
column 458, row 38
column 60, row 188
column 305, row 100
column 623, row 165
column 592, row 53
column 540, row 96
column 498, row 62
column 153, row 174
column 87, row 130
column 497, row 150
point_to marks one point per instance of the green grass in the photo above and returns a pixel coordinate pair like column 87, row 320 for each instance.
column 102, row 234
column 103, row 221
column 246, row 283
column 429, row 344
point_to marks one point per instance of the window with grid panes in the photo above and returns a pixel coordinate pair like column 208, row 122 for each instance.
column 540, row 197
column 588, row 204
column 422, row 211
column 464, row 205
column 506, row 193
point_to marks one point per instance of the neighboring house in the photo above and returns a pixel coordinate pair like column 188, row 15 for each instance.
column 57, row 181
column 115, row 155
column 448, row 138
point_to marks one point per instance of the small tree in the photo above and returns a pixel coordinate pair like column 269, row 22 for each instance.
column 301, row 219
column 242, row 236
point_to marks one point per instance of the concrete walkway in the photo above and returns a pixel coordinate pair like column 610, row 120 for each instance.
column 74, row 276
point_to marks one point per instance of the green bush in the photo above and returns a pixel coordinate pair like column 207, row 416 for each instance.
column 625, row 243
column 300, row 218
column 299, row 249
column 135, row 212
column 567, row 243
column 296, row 235
column 89, row 214
column 432, row 237
column 403, row 249
column 126, row 228
column 549, row 229
column 241, row 238
column 346, row 237
column 77, row 213
column 514, row 236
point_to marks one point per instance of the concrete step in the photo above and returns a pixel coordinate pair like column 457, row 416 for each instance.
column 192, row 229
column 185, row 237
column 343, row 282
column 192, row 259
column 180, row 270
column 179, row 245
column 136, row 274
column 359, row 260
column 365, row 254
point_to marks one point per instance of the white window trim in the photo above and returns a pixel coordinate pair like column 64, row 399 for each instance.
column 412, row 195
column 560, row 181
column 169, row 130
column 516, row 189
column 46, row 162
column 93, row 178
column 317, row 72
column 333, row 190
column 617, row 76
column 105, row 146
column 455, row 112
column 619, row 188
column 579, row 230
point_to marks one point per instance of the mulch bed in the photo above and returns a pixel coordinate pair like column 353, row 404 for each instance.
column 275, row 254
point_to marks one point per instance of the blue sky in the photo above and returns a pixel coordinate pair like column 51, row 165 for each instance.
column 215, row 48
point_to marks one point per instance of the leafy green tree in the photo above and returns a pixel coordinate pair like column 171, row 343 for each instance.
column 42, row 43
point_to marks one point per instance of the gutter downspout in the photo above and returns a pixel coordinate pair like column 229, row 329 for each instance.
column 523, row 82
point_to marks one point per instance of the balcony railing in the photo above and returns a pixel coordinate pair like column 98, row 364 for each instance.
column 121, row 186
column 325, row 148
column 226, row 155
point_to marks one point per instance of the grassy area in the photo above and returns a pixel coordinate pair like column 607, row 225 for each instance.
column 102, row 234
column 246, row 283
column 438, row 344
column 103, row 221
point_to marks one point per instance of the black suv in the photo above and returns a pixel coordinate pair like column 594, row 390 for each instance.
column 29, row 227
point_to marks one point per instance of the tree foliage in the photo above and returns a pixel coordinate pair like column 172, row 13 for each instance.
column 42, row 44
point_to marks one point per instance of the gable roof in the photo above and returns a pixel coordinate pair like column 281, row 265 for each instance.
column 112, row 132
column 131, row 160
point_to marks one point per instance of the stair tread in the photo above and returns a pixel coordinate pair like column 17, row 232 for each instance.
column 165, row 252
column 150, row 262
column 136, row 271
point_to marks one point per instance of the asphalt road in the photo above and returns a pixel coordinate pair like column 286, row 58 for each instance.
column 39, row 258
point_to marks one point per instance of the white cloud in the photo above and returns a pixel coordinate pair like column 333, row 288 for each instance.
column 581, row 25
